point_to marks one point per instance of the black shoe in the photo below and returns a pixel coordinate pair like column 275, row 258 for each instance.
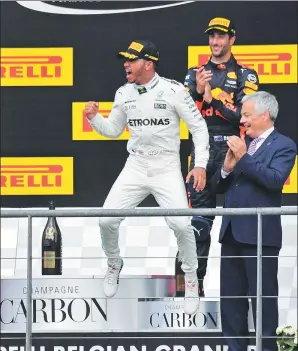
column 201, row 288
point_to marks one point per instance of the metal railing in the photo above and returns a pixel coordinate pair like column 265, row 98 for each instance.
column 259, row 212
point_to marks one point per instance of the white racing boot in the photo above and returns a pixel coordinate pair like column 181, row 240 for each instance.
column 111, row 280
column 192, row 300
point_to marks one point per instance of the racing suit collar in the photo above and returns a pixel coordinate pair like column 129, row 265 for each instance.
column 223, row 65
column 150, row 85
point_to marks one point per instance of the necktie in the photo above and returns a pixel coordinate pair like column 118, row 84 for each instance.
column 253, row 146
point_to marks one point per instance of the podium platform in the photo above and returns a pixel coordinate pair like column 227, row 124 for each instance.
column 142, row 304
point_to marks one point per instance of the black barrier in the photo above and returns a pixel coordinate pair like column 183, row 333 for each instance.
column 37, row 121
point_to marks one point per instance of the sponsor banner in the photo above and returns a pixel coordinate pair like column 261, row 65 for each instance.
column 58, row 305
column 117, row 342
column 273, row 63
column 36, row 67
column 168, row 314
column 74, row 304
column 291, row 183
column 79, row 305
column 36, row 175
column 82, row 130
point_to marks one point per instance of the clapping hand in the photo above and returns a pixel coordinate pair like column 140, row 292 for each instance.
column 237, row 145
column 230, row 161
column 202, row 78
column 208, row 95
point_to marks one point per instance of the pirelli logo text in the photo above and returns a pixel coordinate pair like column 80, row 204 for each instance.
column 36, row 176
column 273, row 63
column 82, row 130
column 36, row 67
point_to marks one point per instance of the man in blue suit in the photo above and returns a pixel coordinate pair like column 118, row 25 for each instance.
column 254, row 172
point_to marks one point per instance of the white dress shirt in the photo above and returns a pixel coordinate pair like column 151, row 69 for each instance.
column 262, row 137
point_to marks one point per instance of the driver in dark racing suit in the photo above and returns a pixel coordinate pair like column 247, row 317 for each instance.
column 217, row 88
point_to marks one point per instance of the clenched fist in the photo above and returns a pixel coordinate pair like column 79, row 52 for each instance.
column 91, row 109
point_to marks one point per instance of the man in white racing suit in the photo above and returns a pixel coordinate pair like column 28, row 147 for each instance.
column 151, row 107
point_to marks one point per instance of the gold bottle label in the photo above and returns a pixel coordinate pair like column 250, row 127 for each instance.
column 50, row 233
column 49, row 259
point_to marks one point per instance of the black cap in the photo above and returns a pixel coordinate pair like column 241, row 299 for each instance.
column 222, row 24
column 140, row 49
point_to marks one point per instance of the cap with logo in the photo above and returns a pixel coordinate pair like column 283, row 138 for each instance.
column 221, row 24
column 140, row 49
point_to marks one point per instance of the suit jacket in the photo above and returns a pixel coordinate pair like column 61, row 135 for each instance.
column 257, row 181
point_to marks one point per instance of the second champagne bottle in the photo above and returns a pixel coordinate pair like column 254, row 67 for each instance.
column 51, row 246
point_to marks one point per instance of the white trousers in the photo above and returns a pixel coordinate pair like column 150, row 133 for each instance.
column 140, row 177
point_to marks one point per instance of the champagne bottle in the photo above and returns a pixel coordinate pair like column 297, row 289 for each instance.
column 51, row 246
column 179, row 277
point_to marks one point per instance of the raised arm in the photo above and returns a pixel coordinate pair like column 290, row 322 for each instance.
column 114, row 125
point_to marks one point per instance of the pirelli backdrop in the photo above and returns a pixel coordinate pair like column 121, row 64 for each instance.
column 56, row 56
